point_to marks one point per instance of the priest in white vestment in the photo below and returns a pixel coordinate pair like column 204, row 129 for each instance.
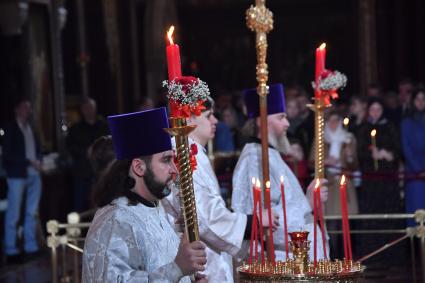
column 130, row 238
column 298, row 205
column 222, row 230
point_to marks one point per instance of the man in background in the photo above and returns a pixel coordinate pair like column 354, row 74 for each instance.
column 22, row 162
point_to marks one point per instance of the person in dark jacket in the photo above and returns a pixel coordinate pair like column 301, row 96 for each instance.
column 379, row 158
column 81, row 136
column 21, row 160
column 413, row 137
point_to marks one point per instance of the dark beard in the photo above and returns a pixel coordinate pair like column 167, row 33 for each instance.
column 158, row 189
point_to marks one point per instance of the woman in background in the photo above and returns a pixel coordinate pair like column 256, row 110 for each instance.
column 413, row 143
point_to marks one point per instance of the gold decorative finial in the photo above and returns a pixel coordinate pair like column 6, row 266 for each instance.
column 259, row 19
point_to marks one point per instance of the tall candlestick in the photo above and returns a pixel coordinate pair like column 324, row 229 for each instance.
column 260, row 208
column 349, row 254
column 173, row 57
column 373, row 138
column 344, row 230
column 285, row 225
column 320, row 66
column 251, row 244
column 269, row 212
column 322, row 223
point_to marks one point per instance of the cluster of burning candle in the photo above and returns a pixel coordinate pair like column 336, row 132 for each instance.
column 257, row 231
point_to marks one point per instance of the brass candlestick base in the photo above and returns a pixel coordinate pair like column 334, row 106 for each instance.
column 300, row 269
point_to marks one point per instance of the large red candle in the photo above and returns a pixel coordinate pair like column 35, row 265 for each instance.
column 269, row 212
column 260, row 208
column 344, row 230
column 345, row 222
column 173, row 57
column 320, row 66
column 285, row 225
column 322, row 223
column 254, row 222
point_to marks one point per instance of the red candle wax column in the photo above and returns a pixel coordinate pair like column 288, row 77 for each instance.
column 173, row 64
column 269, row 212
column 320, row 66
column 285, row 225
column 322, row 223
column 346, row 223
column 260, row 208
column 173, row 57
column 344, row 230
column 254, row 235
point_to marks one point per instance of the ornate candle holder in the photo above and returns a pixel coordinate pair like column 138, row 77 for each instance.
column 300, row 247
column 300, row 268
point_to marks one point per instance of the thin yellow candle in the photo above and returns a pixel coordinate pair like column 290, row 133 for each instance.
column 373, row 137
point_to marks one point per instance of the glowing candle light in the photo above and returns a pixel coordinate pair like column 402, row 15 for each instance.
column 345, row 122
column 373, row 139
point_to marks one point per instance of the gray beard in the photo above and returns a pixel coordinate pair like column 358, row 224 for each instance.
column 281, row 143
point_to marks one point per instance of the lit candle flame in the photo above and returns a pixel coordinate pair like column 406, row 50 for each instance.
column 253, row 181
column 268, row 185
column 322, row 46
column 373, row 133
column 342, row 180
column 281, row 179
column 170, row 34
column 346, row 121
column 258, row 184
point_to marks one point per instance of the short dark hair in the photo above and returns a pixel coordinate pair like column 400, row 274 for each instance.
column 208, row 104
column 101, row 154
column 87, row 99
column 415, row 94
column 360, row 98
column 18, row 101
column 114, row 181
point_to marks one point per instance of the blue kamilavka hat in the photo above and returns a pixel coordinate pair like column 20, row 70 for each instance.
column 275, row 101
column 140, row 133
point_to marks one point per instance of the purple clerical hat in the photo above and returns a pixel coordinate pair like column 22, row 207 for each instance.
column 275, row 101
column 140, row 133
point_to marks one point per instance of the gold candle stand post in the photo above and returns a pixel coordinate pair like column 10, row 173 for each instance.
column 180, row 130
column 260, row 20
column 319, row 128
